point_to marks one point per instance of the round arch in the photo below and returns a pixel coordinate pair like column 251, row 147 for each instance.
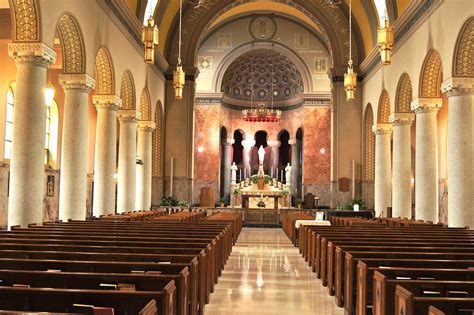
column 127, row 91
column 383, row 111
column 157, row 141
column 369, row 144
column 72, row 44
column 431, row 75
column 26, row 21
column 404, row 94
column 463, row 63
column 104, row 73
column 145, row 105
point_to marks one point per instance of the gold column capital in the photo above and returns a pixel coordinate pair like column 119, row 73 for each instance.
column 397, row 119
column 458, row 85
column 382, row 129
column 77, row 81
column 38, row 53
column 146, row 125
column 104, row 101
column 426, row 104
column 128, row 115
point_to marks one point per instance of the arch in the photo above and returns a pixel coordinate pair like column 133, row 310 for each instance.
column 158, row 141
column 431, row 75
column 237, row 147
column 369, row 144
column 285, row 149
column 25, row 20
column 72, row 44
column 52, row 134
column 145, row 105
column 299, row 134
column 383, row 112
column 127, row 91
column 464, row 53
column 104, row 73
column 404, row 94
column 261, row 138
column 10, row 107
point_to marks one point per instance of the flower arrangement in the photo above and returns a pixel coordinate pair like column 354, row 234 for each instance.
column 237, row 191
column 285, row 193
column 255, row 178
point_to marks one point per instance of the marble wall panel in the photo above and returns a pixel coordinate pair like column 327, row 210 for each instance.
column 156, row 190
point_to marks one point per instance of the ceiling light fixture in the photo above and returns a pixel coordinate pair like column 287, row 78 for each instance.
column 385, row 40
column 178, row 74
column 350, row 77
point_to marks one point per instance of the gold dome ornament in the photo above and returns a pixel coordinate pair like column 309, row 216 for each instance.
column 178, row 81
column 150, row 37
column 350, row 82
column 385, row 41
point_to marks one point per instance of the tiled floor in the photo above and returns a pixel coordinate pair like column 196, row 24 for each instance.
column 266, row 275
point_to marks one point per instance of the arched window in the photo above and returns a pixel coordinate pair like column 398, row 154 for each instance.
column 9, row 122
column 51, row 135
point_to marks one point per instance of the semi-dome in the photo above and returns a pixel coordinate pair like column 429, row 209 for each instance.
column 249, row 79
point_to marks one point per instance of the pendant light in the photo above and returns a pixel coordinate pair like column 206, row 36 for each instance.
column 385, row 40
column 350, row 77
column 150, row 35
column 178, row 74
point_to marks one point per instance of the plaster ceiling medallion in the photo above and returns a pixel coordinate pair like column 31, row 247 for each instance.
column 263, row 27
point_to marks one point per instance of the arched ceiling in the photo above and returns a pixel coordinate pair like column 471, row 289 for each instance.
column 197, row 19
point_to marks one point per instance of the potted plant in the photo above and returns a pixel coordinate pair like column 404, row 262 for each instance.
column 285, row 193
column 236, row 192
column 184, row 204
column 299, row 203
column 222, row 201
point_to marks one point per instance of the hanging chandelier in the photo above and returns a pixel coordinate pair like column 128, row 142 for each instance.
column 350, row 77
column 150, row 35
column 178, row 74
column 385, row 40
column 261, row 113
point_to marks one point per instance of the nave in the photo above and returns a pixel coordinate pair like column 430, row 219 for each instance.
column 265, row 274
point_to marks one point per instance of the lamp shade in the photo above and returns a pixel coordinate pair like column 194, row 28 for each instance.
column 150, row 37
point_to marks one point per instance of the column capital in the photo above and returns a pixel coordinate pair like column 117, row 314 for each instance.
column 146, row 125
column 229, row 141
column 77, row 81
column 112, row 102
column 274, row 143
column 38, row 53
column 247, row 143
column 398, row 119
column 128, row 115
column 458, row 85
column 382, row 129
column 426, row 104
column 294, row 142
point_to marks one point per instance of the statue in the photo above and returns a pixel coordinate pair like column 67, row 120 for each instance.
column 261, row 155
column 233, row 177
column 288, row 174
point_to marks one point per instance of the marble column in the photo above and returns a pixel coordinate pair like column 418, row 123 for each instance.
column 144, row 151
column 105, row 154
column 401, row 190
column 275, row 153
column 73, row 183
column 295, row 165
column 383, row 173
column 460, row 92
column 426, row 159
column 227, row 147
column 27, row 184
column 127, row 168
column 247, row 150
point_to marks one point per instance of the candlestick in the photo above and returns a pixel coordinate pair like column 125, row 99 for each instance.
column 240, row 175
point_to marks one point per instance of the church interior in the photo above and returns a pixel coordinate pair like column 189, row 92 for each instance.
column 237, row 157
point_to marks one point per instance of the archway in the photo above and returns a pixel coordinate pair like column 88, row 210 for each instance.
column 261, row 138
column 284, row 152
column 223, row 168
column 238, row 148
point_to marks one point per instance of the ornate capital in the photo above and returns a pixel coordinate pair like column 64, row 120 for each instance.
column 294, row 142
column 382, row 129
column 398, row 119
column 146, row 125
column 112, row 102
column 77, row 81
column 458, row 85
column 229, row 141
column 274, row 143
column 37, row 53
column 426, row 105
column 128, row 115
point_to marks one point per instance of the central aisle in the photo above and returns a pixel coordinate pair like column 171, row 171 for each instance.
column 266, row 275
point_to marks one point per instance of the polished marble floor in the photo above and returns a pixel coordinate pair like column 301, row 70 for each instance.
column 266, row 275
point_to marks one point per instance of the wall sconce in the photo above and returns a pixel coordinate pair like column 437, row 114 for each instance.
column 322, row 150
column 200, row 149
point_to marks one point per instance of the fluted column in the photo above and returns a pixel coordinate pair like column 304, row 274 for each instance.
column 105, row 153
column 144, row 151
column 275, row 153
column 73, row 183
column 460, row 92
column 247, row 144
column 383, row 173
column 426, row 160
column 227, row 147
column 401, row 190
column 127, row 168
column 295, row 165
column 25, row 203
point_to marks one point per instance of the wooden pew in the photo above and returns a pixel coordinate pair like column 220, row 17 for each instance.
column 385, row 284
column 411, row 301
